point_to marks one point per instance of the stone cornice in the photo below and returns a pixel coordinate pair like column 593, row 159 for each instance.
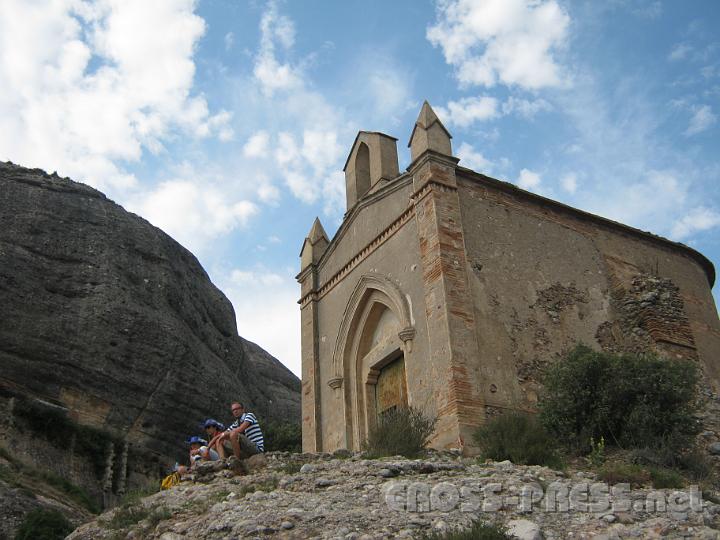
column 350, row 216
column 432, row 155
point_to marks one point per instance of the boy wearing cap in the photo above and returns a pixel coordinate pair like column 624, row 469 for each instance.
column 199, row 451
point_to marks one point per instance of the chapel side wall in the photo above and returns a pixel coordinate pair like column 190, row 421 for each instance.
column 543, row 279
column 397, row 259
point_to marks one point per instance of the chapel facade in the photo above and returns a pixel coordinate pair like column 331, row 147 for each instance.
column 450, row 291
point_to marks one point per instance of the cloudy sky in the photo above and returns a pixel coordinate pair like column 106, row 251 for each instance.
column 227, row 122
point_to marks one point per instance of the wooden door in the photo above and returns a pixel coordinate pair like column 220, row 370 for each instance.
column 391, row 388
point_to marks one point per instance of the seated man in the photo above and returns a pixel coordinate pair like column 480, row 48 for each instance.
column 243, row 437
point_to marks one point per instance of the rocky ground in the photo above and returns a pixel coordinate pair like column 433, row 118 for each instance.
column 346, row 496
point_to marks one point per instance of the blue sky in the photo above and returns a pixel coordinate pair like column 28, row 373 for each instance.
column 227, row 122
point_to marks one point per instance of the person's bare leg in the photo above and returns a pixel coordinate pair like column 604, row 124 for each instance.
column 235, row 440
column 220, row 448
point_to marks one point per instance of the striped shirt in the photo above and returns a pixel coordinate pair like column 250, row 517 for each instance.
column 252, row 432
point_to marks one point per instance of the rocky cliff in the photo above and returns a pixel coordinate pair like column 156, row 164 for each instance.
column 111, row 322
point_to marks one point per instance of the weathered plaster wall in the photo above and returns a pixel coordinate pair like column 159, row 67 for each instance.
column 544, row 278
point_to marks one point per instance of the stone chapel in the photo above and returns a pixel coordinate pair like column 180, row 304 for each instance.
column 450, row 291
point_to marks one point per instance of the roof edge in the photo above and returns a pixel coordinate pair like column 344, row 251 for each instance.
column 395, row 184
column 701, row 259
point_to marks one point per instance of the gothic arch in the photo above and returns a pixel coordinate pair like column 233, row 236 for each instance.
column 373, row 295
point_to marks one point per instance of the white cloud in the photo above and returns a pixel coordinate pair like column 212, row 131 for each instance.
column 466, row 111
column 191, row 213
column 569, row 182
column 268, row 279
column 266, row 311
column 524, row 107
column 107, row 81
column 679, row 52
column 229, row 40
column 702, row 119
column 529, row 180
column 389, row 89
column 472, row 159
column 268, row 192
column 697, row 219
column 508, row 41
column 271, row 73
column 653, row 10
column 257, row 145
column 646, row 202
column 308, row 164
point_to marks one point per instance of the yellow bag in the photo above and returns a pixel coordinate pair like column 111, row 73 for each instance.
column 170, row 480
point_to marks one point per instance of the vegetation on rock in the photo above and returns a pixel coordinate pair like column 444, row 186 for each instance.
column 478, row 531
column 520, row 438
column 630, row 401
column 403, row 431
column 42, row 524
column 282, row 436
column 19, row 474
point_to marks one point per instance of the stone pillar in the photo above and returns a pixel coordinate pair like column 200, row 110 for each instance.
column 313, row 248
column 448, row 302
column 310, row 397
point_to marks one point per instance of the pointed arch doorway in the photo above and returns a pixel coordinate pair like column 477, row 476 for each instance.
column 373, row 346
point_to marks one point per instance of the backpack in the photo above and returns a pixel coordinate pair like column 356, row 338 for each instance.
column 170, row 480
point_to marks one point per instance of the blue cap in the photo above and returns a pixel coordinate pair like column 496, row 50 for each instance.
column 211, row 422
column 196, row 439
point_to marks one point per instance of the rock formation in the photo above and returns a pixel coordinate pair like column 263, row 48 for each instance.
column 108, row 319
column 324, row 497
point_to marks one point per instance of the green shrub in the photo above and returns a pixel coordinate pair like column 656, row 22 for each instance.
column 76, row 493
column 158, row 515
column 666, row 478
column 133, row 496
column 631, row 401
column 477, row 531
column 290, row 468
column 519, row 437
column 696, row 465
column 400, row 432
column 626, row 473
column 282, row 437
column 44, row 524
column 127, row 516
column 18, row 472
column 693, row 463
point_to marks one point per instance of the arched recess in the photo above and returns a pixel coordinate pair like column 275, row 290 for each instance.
column 362, row 170
column 375, row 329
